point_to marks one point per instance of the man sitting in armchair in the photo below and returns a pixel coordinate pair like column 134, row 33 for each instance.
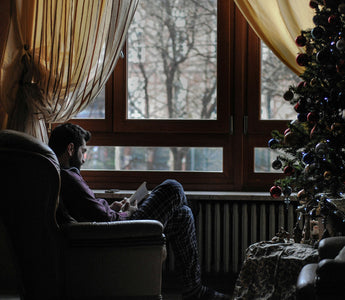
column 166, row 203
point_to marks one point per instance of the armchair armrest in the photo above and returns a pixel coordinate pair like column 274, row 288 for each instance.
column 305, row 282
column 330, row 247
column 134, row 232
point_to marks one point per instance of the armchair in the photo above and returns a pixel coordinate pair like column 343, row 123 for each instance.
column 47, row 260
column 325, row 279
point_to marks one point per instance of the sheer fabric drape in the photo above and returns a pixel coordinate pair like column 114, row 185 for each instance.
column 278, row 23
column 56, row 57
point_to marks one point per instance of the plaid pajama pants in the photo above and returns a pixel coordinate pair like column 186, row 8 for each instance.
column 167, row 203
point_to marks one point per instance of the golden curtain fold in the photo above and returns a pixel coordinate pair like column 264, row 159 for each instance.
column 56, row 57
column 278, row 23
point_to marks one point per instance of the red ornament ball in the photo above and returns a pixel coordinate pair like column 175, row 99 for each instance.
column 288, row 170
column 275, row 191
column 287, row 130
column 302, row 59
column 314, row 130
column 313, row 117
column 301, row 85
column 313, row 4
column 301, row 41
column 333, row 19
column 341, row 66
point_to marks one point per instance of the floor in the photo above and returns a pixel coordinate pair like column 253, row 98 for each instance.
column 172, row 297
column 165, row 297
column 171, row 289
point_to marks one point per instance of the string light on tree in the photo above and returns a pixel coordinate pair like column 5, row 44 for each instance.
column 313, row 145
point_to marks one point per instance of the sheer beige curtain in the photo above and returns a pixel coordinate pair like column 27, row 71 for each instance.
column 56, row 56
column 278, row 23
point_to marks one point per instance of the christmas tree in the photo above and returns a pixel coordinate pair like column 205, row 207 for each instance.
column 313, row 145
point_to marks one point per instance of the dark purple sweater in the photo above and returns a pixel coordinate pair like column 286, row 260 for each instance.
column 81, row 202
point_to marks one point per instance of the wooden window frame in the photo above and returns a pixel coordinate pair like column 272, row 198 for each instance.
column 238, row 100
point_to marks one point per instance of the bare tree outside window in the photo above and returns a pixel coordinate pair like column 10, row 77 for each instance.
column 172, row 60
column 95, row 110
column 276, row 77
column 172, row 74
column 275, row 80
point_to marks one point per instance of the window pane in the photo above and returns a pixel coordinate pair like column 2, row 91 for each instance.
column 263, row 158
column 276, row 78
column 172, row 60
column 154, row 159
column 96, row 110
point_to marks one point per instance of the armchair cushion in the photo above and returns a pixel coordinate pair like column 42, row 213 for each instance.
column 341, row 255
column 330, row 247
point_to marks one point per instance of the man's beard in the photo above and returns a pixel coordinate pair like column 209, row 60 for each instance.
column 75, row 162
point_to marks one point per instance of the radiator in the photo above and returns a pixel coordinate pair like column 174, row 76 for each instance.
column 226, row 228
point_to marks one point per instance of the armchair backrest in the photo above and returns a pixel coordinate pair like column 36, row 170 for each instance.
column 29, row 187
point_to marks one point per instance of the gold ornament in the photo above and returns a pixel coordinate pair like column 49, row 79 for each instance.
column 337, row 128
column 327, row 175
column 291, row 138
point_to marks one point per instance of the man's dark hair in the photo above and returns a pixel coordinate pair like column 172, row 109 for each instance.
column 65, row 134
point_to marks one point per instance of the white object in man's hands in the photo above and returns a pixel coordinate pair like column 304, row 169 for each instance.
column 139, row 194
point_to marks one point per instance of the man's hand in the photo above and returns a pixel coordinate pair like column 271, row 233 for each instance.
column 116, row 205
column 127, row 207
column 124, row 206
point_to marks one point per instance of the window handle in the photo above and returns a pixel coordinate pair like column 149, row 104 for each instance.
column 231, row 131
column 245, row 125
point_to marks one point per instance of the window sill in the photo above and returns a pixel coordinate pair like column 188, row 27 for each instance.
column 199, row 195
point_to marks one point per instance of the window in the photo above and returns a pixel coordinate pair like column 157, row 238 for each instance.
column 186, row 102
column 172, row 61
column 96, row 110
column 275, row 80
column 153, row 159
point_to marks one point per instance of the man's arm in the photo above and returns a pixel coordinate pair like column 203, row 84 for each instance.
column 81, row 202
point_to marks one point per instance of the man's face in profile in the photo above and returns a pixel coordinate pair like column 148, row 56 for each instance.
column 78, row 157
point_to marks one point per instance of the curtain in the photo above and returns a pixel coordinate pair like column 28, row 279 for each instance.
column 278, row 23
column 56, row 56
